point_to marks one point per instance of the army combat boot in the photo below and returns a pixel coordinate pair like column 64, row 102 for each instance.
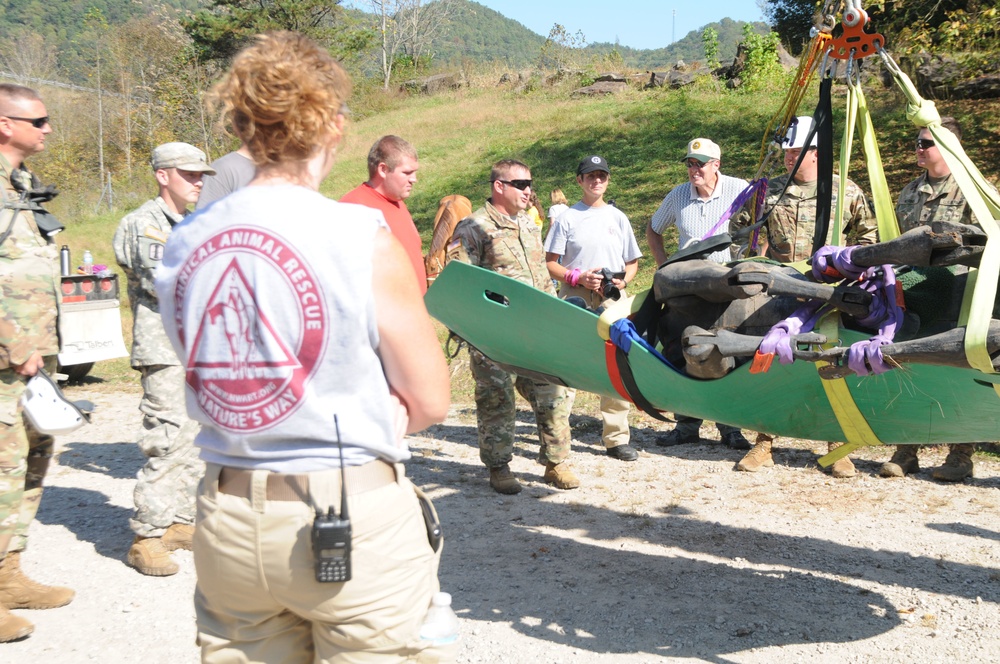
column 842, row 467
column 149, row 556
column 503, row 481
column 13, row 627
column 17, row 591
column 561, row 475
column 178, row 536
column 903, row 462
column 759, row 457
column 958, row 465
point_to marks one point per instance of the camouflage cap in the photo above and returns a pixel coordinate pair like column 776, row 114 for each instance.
column 180, row 155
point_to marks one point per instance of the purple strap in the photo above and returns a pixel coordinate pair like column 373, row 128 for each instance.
column 831, row 264
column 865, row 357
column 761, row 198
column 778, row 338
column 755, row 186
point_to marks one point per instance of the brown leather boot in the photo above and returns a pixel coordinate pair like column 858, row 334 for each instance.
column 149, row 556
column 503, row 481
column 13, row 627
column 958, row 465
column 561, row 475
column 842, row 467
column 178, row 536
column 17, row 591
column 759, row 457
column 903, row 462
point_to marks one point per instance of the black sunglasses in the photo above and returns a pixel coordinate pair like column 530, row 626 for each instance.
column 517, row 184
column 37, row 123
column 924, row 143
column 694, row 163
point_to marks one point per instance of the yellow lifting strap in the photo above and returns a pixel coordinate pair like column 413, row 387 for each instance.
column 856, row 429
column 981, row 288
column 885, row 212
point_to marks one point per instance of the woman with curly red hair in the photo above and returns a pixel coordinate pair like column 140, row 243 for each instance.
column 308, row 354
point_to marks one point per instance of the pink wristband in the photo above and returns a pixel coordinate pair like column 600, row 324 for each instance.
column 572, row 277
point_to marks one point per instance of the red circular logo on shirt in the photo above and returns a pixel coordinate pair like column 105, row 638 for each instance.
column 253, row 321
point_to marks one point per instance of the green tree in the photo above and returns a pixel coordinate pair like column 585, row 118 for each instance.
column 792, row 20
column 710, row 40
column 908, row 25
column 226, row 26
column 562, row 49
column 762, row 67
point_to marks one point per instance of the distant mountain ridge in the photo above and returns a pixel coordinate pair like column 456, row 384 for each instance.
column 475, row 33
column 480, row 34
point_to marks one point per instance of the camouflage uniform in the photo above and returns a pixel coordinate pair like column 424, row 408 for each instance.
column 29, row 278
column 792, row 224
column 511, row 247
column 167, row 484
column 921, row 202
column 925, row 200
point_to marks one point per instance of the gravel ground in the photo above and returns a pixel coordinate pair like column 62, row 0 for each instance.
column 674, row 557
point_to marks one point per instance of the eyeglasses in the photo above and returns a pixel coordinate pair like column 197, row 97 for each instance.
column 925, row 144
column 694, row 163
column 517, row 184
column 37, row 123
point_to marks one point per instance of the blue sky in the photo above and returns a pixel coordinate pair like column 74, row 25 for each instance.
column 635, row 23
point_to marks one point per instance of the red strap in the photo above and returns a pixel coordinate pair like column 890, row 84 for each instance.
column 613, row 374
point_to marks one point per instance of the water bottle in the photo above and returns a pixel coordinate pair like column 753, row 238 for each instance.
column 64, row 261
column 88, row 262
column 440, row 627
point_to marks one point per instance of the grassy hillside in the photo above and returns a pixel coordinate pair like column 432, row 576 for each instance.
column 642, row 135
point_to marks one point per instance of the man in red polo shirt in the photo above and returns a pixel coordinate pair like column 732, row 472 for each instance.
column 392, row 170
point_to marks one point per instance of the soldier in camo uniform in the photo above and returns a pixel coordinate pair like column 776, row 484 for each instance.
column 934, row 196
column 167, row 484
column 791, row 225
column 500, row 237
column 791, row 228
column 29, row 283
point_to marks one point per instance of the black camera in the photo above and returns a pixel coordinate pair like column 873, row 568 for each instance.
column 608, row 289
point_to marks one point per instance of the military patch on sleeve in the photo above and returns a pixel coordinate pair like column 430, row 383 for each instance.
column 155, row 234
column 456, row 252
column 156, row 252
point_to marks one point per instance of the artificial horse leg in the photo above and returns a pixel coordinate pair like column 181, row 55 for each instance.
column 852, row 300
column 944, row 349
column 710, row 281
column 710, row 353
column 940, row 244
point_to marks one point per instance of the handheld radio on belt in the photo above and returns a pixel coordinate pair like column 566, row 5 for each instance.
column 331, row 535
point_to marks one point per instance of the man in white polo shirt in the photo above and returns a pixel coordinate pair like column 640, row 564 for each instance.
column 695, row 207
